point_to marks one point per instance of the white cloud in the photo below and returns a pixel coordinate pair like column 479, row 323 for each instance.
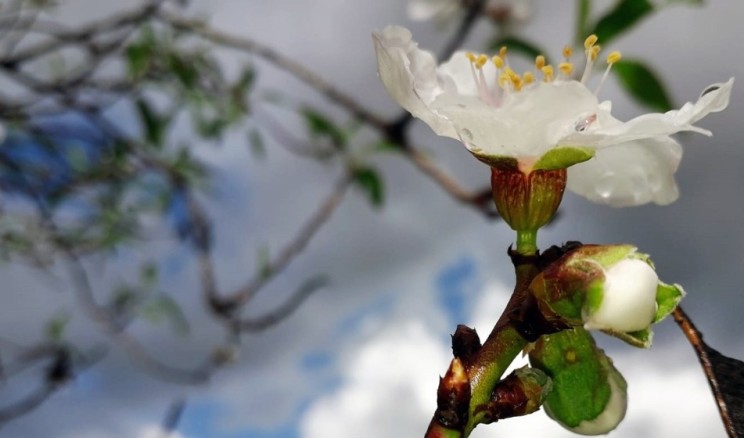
column 389, row 388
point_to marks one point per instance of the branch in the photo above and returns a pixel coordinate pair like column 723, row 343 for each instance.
column 285, row 310
column 285, row 63
column 291, row 250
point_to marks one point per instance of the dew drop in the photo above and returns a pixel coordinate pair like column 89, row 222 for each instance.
column 466, row 134
column 604, row 187
column 584, row 123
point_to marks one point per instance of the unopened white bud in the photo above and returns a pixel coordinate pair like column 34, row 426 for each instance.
column 628, row 298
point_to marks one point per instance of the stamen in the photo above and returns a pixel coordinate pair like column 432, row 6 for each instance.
column 566, row 68
column 590, row 41
column 595, row 52
column 614, row 57
column 470, row 56
column 567, row 52
column 481, row 61
column 528, row 77
column 502, row 52
column 498, row 61
column 547, row 72
column 611, row 59
column 539, row 62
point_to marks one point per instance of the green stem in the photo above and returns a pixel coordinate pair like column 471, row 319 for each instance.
column 527, row 242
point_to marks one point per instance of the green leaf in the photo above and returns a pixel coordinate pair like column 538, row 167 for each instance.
column 368, row 179
column 518, row 45
column 153, row 124
column 149, row 274
column 321, row 126
column 668, row 297
column 162, row 308
column 55, row 328
column 643, row 84
column 621, row 18
column 255, row 140
column 563, row 157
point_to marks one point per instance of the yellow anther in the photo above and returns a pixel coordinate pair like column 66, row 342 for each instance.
column 498, row 61
column 566, row 68
column 481, row 61
column 539, row 62
column 471, row 57
column 528, row 77
column 510, row 73
column 567, row 51
column 517, row 82
column 547, row 72
column 590, row 41
column 594, row 52
column 504, row 80
column 502, row 52
column 614, row 57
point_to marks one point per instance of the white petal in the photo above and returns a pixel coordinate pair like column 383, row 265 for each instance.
column 629, row 174
column 409, row 75
column 610, row 131
column 526, row 125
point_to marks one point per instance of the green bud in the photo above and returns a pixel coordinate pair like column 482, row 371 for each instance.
column 589, row 395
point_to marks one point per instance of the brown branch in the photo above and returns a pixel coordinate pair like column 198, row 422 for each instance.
column 292, row 249
column 480, row 200
column 704, row 354
column 285, row 63
column 281, row 313
column 84, row 33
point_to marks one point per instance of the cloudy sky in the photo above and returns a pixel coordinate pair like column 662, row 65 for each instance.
column 362, row 357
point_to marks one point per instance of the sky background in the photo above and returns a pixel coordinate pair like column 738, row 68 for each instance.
column 362, row 357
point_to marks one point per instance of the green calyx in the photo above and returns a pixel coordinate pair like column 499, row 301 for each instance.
column 588, row 392
column 563, row 157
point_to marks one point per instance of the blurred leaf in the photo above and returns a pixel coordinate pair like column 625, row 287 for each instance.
column 519, row 45
column 643, row 84
column 153, row 124
column 386, row 146
column 140, row 53
column 264, row 262
column 184, row 68
column 55, row 328
column 321, row 126
column 255, row 140
column 625, row 14
column 149, row 274
column 369, row 181
column 162, row 308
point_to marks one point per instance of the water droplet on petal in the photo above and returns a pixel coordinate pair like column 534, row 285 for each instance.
column 466, row 134
column 605, row 185
column 583, row 124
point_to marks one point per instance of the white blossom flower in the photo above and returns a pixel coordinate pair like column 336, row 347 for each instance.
column 557, row 121
column 512, row 11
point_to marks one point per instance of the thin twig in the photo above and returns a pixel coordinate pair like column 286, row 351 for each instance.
column 296, row 245
column 277, row 59
column 281, row 313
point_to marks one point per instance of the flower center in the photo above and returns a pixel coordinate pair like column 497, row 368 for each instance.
column 508, row 81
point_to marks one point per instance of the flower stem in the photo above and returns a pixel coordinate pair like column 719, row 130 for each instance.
column 527, row 242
